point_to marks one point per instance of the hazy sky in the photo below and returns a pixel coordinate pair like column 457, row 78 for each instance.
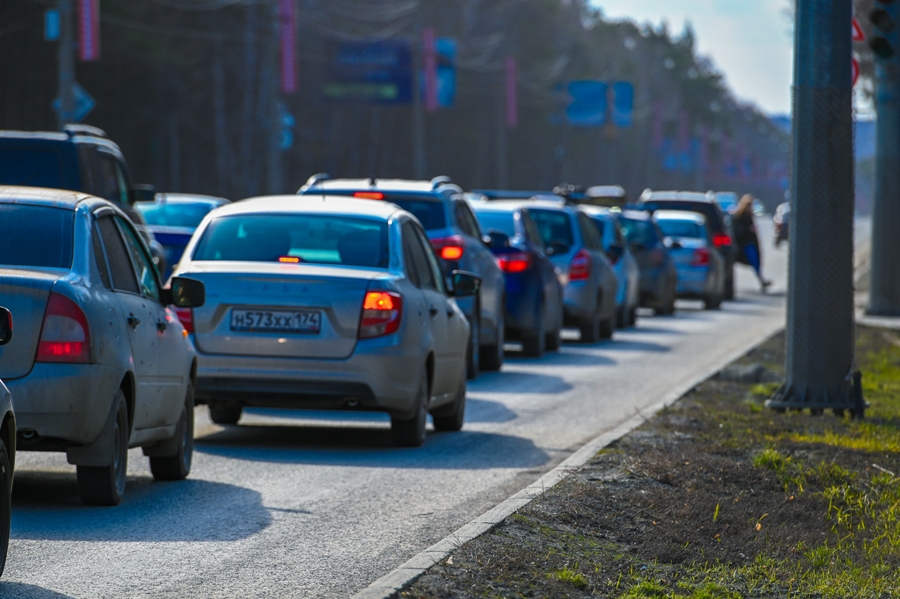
column 748, row 40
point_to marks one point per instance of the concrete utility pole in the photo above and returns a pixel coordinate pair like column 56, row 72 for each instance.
column 274, row 160
column 66, row 59
column 884, row 288
column 820, row 321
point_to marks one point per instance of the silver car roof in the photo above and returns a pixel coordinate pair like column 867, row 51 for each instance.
column 680, row 215
column 311, row 204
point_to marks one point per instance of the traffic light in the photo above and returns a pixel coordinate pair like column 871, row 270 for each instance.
column 884, row 18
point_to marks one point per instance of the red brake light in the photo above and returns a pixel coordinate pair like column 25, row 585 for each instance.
column 700, row 257
column 580, row 267
column 369, row 195
column 516, row 262
column 65, row 335
column 381, row 314
column 289, row 259
column 186, row 316
column 720, row 239
column 449, row 248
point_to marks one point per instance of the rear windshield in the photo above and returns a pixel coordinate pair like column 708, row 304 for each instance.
column 36, row 236
column 705, row 208
column 429, row 212
column 32, row 168
column 296, row 238
column 174, row 215
column 638, row 231
column 682, row 228
column 553, row 226
column 600, row 224
column 497, row 221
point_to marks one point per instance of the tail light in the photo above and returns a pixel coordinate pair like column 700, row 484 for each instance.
column 580, row 267
column 721, row 239
column 515, row 262
column 700, row 257
column 449, row 248
column 65, row 335
column 186, row 316
column 369, row 195
column 381, row 314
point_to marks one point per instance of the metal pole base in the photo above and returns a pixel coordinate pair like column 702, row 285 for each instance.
column 848, row 397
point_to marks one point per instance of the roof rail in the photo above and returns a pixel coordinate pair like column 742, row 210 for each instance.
column 73, row 130
column 441, row 180
column 314, row 180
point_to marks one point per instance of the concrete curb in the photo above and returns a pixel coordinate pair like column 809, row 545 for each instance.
column 392, row 583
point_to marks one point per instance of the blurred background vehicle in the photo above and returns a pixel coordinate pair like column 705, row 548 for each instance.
column 335, row 304
column 782, row 222
column 451, row 226
column 534, row 306
column 586, row 275
column 703, row 204
column 7, row 446
column 99, row 363
column 659, row 281
column 727, row 201
column 173, row 218
column 700, row 268
column 628, row 273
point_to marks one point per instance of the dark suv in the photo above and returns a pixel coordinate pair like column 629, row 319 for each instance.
column 453, row 230
column 705, row 205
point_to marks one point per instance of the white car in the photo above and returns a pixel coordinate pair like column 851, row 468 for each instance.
column 99, row 363
column 332, row 303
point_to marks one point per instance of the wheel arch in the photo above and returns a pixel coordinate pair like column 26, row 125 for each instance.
column 128, row 388
column 429, row 371
column 8, row 434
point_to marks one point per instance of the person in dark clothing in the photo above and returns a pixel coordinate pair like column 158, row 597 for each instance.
column 744, row 230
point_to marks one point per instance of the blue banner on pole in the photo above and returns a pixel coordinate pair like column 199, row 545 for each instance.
column 376, row 72
column 446, row 71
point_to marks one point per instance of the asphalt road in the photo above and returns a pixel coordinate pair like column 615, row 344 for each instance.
column 320, row 505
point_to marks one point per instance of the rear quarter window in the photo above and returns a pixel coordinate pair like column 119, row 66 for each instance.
column 553, row 225
column 36, row 236
column 31, row 167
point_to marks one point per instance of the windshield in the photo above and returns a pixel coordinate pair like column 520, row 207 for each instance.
column 180, row 214
column 497, row 221
column 32, row 168
column 553, row 225
column 707, row 209
column 296, row 238
column 682, row 228
column 36, row 236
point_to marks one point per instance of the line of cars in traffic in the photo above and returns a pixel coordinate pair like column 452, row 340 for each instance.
column 365, row 295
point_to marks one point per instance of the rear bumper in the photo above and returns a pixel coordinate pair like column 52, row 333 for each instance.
column 693, row 281
column 523, row 296
column 68, row 402
column 579, row 300
column 386, row 380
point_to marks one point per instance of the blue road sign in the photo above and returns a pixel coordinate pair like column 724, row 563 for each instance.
column 623, row 104
column 51, row 25
column 84, row 104
column 445, row 49
column 376, row 72
column 287, row 122
column 588, row 104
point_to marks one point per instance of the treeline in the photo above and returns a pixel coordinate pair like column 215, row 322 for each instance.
column 185, row 87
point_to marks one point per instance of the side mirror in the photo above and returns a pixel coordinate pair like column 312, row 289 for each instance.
column 497, row 240
column 6, row 326
column 556, row 247
column 615, row 252
column 465, row 284
column 185, row 293
column 637, row 248
column 143, row 193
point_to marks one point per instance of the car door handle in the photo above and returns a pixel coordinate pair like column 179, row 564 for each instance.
column 450, row 312
column 433, row 311
column 133, row 320
column 161, row 325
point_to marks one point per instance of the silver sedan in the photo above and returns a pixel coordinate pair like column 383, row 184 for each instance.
column 330, row 304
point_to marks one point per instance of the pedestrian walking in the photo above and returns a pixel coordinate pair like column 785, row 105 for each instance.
column 744, row 230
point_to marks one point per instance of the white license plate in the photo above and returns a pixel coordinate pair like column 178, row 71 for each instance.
column 277, row 321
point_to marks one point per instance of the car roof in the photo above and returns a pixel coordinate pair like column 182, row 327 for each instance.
column 311, row 204
column 40, row 196
column 601, row 211
column 497, row 205
column 678, row 196
column 637, row 215
column 185, row 198
column 433, row 187
column 680, row 215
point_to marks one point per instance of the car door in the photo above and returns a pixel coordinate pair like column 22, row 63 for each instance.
column 549, row 277
column 605, row 277
column 173, row 355
column 449, row 354
column 138, row 313
column 492, row 283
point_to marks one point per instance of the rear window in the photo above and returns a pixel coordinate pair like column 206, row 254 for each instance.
column 497, row 221
column 429, row 212
column 638, row 231
column 174, row 215
column 553, row 226
column 707, row 209
column 296, row 238
column 36, row 236
column 600, row 224
column 682, row 228
column 31, row 168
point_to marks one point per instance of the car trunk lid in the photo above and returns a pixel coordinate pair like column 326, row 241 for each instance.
column 25, row 294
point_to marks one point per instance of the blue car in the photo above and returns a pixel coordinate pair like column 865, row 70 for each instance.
column 658, row 287
column 701, row 270
column 628, row 295
column 173, row 218
column 534, row 305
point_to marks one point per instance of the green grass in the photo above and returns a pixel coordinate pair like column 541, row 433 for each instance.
column 570, row 576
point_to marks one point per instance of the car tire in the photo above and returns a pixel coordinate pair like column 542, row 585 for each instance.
column 713, row 302
column 473, row 354
column 607, row 328
column 450, row 418
column 411, row 432
column 553, row 340
column 729, row 285
column 6, row 478
column 492, row 354
column 632, row 316
column 590, row 330
column 178, row 466
column 621, row 316
column 225, row 415
column 105, row 485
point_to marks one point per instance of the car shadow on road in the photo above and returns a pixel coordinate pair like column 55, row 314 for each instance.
column 573, row 353
column 18, row 590
column 517, row 382
column 46, row 506
column 369, row 447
